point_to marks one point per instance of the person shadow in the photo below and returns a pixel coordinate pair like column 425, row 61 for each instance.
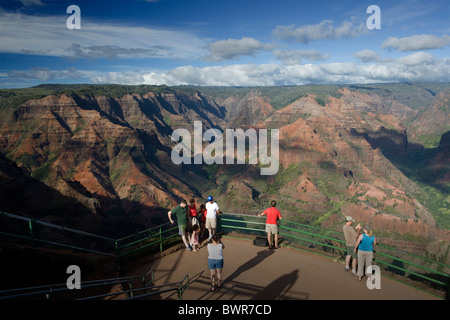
column 260, row 256
column 279, row 289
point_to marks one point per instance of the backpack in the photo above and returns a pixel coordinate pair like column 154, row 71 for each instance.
column 261, row 242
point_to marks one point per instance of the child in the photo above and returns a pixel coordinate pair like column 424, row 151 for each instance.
column 194, row 237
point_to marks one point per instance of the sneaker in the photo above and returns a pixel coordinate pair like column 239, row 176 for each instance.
column 189, row 248
column 346, row 269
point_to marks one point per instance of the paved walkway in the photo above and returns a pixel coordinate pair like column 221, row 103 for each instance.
column 257, row 273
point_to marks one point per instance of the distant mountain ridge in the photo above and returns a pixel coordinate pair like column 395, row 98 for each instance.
column 351, row 150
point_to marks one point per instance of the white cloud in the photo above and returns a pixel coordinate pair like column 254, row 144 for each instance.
column 293, row 57
column 413, row 68
column 323, row 30
column 49, row 36
column 133, row 78
column 417, row 59
column 417, row 42
column 232, row 49
column 367, row 56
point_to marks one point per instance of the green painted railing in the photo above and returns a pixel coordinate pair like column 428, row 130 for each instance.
column 150, row 238
column 153, row 239
column 420, row 272
column 56, row 290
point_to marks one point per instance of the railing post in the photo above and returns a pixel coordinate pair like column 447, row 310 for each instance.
column 160, row 239
column 143, row 284
column 131, row 288
column 30, row 225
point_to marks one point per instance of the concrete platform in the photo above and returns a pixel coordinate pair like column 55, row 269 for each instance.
column 258, row 273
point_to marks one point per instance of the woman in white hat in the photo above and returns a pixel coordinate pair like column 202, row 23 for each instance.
column 364, row 245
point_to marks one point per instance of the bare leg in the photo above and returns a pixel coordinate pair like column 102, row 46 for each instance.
column 219, row 277
column 269, row 239
column 354, row 263
column 347, row 261
column 185, row 237
column 213, row 276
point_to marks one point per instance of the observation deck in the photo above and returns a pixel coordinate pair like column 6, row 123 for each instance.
column 154, row 264
column 259, row 273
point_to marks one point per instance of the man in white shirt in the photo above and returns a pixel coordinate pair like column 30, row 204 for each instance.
column 212, row 209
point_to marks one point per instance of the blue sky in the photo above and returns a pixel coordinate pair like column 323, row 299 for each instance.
column 223, row 42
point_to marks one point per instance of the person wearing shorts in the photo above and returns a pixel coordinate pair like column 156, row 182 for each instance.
column 351, row 235
column 271, row 224
column 215, row 261
column 192, row 213
column 182, row 218
column 212, row 209
column 202, row 214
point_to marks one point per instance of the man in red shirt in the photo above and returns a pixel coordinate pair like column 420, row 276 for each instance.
column 271, row 223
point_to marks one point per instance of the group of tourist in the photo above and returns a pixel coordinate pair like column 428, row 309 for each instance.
column 192, row 224
column 359, row 242
column 191, row 221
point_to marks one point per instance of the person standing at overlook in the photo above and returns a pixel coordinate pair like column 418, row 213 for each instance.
column 183, row 223
column 364, row 245
column 351, row 234
column 215, row 261
column 271, row 223
column 212, row 210
column 192, row 213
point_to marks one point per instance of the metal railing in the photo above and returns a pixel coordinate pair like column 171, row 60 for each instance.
column 420, row 272
column 61, row 289
column 178, row 287
column 151, row 237
column 36, row 233
column 53, row 235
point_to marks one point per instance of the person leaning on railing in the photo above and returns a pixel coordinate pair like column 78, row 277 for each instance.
column 351, row 234
column 364, row 245
column 271, row 223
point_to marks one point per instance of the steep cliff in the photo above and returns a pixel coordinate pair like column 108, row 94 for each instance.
column 347, row 152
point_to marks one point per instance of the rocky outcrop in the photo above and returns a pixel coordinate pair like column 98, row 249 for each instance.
column 113, row 155
column 433, row 118
column 249, row 110
column 115, row 149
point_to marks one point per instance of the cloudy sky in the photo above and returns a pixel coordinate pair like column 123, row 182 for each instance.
column 223, row 42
